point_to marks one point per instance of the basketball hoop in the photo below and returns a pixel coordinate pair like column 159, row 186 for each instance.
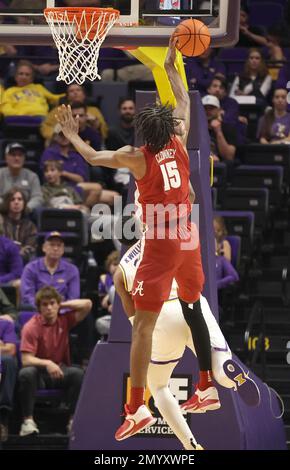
column 78, row 34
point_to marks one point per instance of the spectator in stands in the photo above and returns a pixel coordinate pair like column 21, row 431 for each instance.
column 8, row 370
column 47, row 67
column 50, row 270
column 14, row 174
column 7, row 309
column 124, row 133
column 250, row 36
column 75, row 171
column 27, row 98
column 226, row 274
column 75, row 93
column 119, row 136
column 223, row 136
column 222, row 246
column 57, row 193
column 277, row 38
column 255, row 79
column 283, row 80
column 16, row 225
column 45, row 353
column 200, row 71
column 7, row 49
column 229, row 106
column 87, row 133
column 11, row 264
column 274, row 126
column 107, row 292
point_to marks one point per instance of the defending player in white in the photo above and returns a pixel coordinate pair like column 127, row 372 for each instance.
column 171, row 337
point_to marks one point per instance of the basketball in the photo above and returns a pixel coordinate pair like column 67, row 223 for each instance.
column 193, row 37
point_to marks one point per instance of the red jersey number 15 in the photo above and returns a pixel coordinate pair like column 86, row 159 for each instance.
column 171, row 176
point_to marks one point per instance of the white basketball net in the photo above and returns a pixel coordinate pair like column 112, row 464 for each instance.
column 78, row 38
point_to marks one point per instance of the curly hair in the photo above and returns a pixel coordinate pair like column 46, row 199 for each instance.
column 155, row 125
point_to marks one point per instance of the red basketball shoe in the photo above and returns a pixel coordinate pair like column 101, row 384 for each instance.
column 134, row 423
column 202, row 401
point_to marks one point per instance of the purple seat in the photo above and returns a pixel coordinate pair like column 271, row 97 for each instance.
column 266, row 176
column 255, row 200
column 24, row 317
column 113, row 59
column 70, row 221
column 46, row 393
column 267, row 155
column 265, row 13
column 235, row 242
column 234, row 59
column 51, row 396
column 286, row 51
column 219, row 174
column 252, row 2
column 241, row 224
column 23, row 121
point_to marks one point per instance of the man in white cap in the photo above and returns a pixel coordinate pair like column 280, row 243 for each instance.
column 223, row 136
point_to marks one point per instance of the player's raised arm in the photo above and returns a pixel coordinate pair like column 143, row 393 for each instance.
column 182, row 109
column 124, row 157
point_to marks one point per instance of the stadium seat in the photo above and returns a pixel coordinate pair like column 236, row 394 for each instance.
column 34, row 148
column 255, row 200
column 74, row 227
column 219, row 174
column 259, row 154
column 241, row 224
column 252, row 112
column 251, row 2
column 266, row 13
column 111, row 94
column 270, row 177
column 68, row 220
column 214, row 197
column 235, row 242
column 234, row 59
column 22, row 126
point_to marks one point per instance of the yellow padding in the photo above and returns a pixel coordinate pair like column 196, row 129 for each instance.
column 211, row 169
column 154, row 57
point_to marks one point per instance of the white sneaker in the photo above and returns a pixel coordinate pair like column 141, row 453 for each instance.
column 134, row 423
column 202, row 401
column 28, row 427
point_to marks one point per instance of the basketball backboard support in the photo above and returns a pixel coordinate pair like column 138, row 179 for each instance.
column 142, row 22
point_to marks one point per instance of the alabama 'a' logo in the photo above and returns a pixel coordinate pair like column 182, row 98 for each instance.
column 139, row 289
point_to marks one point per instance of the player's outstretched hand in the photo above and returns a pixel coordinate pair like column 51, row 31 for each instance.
column 171, row 52
column 69, row 124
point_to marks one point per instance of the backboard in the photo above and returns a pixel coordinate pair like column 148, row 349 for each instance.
column 142, row 22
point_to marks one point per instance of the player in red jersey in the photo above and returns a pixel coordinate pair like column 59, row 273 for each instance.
column 161, row 170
